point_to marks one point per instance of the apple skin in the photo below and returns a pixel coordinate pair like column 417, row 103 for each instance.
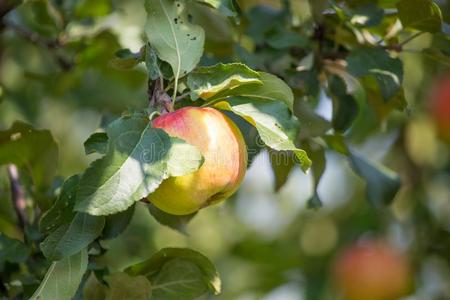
column 372, row 270
column 440, row 107
column 225, row 160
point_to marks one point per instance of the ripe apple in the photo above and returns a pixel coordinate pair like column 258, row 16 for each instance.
column 440, row 107
column 372, row 270
column 225, row 160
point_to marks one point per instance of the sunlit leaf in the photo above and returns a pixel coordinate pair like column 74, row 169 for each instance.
column 175, row 39
column 139, row 158
column 227, row 7
column 207, row 82
column 273, row 121
column 272, row 88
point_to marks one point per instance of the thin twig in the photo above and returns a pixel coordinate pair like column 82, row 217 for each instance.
column 17, row 195
column 182, row 96
column 409, row 39
column 33, row 36
column 52, row 44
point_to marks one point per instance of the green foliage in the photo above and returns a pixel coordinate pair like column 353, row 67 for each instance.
column 273, row 122
column 424, row 15
column 382, row 183
column 387, row 71
column 134, row 147
column 72, row 236
column 178, row 272
column 176, row 40
column 13, row 251
column 324, row 86
column 63, row 278
column 96, row 143
column 34, row 151
column 219, row 81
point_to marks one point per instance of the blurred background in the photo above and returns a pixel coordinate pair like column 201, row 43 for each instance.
column 265, row 243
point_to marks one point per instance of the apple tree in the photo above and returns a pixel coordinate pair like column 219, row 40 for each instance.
column 127, row 129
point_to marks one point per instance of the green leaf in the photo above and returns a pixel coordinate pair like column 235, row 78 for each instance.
column 178, row 223
column 275, row 125
column 12, row 250
column 68, row 231
column 219, row 34
column 179, row 279
column 206, row 82
column 72, row 236
column 313, row 124
column 139, row 158
column 178, row 273
column 34, row 151
column 125, row 59
column 272, row 88
column 336, row 142
column 250, row 133
column 123, row 286
column 424, row 15
column 151, row 63
column 367, row 15
column 117, row 223
column 282, row 163
column 62, row 210
column 175, row 39
column 226, row 7
column 377, row 102
column 62, row 278
column 345, row 108
column 96, row 143
column 376, row 62
column 382, row 183
column 93, row 289
column 317, row 154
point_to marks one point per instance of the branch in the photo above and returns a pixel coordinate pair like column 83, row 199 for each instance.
column 35, row 38
column 17, row 195
column 158, row 97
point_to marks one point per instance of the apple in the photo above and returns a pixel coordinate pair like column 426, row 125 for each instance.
column 372, row 270
column 225, row 160
column 440, row 107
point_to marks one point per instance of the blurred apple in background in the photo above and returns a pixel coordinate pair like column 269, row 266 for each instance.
column 440, row 107
column 225, row 160
column 372, row 270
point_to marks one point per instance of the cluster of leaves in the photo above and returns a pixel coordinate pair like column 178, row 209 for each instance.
column 348, row 50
